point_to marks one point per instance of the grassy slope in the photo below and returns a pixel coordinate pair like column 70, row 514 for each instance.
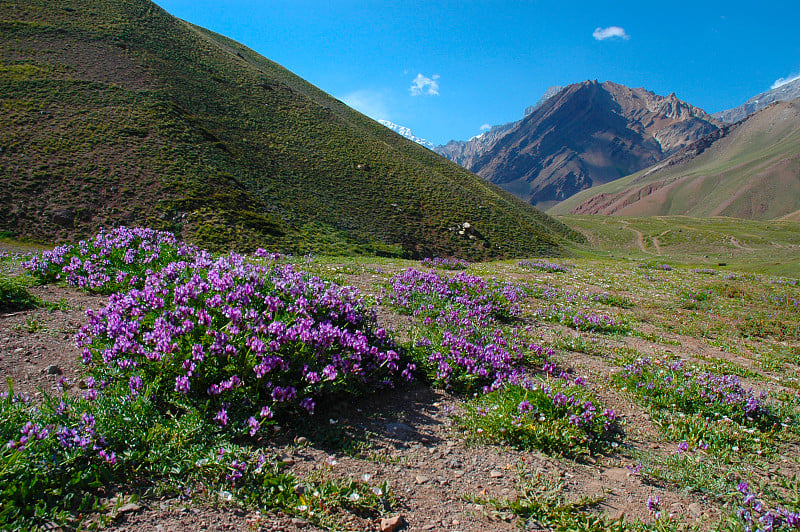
column 750, row 173
column 749, row 245
column 115, row 112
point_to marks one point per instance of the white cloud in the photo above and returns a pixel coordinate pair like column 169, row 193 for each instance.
column 601, row 34
column 369, row 102
column 486, row 127
column 784, row 81
column 425, row 86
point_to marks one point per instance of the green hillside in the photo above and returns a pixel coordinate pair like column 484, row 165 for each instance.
column 114, row 112
column 751, row 172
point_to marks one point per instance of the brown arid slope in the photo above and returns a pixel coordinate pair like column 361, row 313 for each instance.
column 748, row 170
column 589, row 133
column 115, row 113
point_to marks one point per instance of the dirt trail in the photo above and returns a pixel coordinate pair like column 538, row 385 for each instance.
column 738, row 245
column 639, row 239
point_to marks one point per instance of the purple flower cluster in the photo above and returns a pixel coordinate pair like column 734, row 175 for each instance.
column 430, row 293
column 653, row 503
column 444, row 263
column 542, row 266
column 238, row 338
column 67, row 431
column 553, row 416
column 460, row 334
column 581, row 319
column 575, row 407
column 673, row 385
column 111, row 261
column 655, row 266
column 753, row 513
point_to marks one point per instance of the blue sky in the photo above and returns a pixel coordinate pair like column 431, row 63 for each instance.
column 445, row 69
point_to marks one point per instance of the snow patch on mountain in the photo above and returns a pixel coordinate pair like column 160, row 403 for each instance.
column 407, row 133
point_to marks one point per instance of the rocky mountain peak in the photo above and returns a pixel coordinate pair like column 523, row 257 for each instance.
column 584, row 134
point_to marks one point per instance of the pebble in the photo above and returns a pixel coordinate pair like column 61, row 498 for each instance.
column 390, row 524
column 421, row 479
column 129, row 507
column 494, row 473
column 399, row 430
column 53, row 369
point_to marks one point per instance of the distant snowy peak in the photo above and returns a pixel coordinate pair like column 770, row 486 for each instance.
column 407, row 133
column 782, row 93
column 549, row 93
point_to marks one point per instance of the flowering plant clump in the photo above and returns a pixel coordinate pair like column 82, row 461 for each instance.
column 459, row 338
column 445, row 263
column 652, row 265
column 541, row 265
column 675, row 386
column 240, row 341
column 582, row 320
column 52, row 455
column 427, row 294
column 754, row 514
column 59, row 456
column 554, row 416
column 695, row 299
column 116, row 260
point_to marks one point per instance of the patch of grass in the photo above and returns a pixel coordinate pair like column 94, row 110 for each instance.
column 541, row 503
column 14, row 294
column 613, row 300
column 695, row 299
column 577, row 344
column 694, row 472
column 31, row 326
